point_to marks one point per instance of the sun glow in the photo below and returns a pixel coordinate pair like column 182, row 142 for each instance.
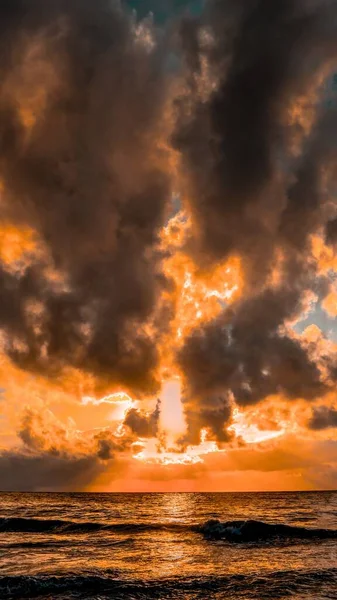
column 200, row 294
column 197, row 295
column 168, row 451
column 250, row 433
column 117, row 398
column 172, row 420
column 151, row 454
column 16, row 246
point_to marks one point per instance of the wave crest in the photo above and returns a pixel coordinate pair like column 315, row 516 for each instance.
column 254, row 531
column 232, row 531
column 25, row 525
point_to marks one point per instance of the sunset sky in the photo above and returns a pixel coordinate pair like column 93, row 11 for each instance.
column 168, row 245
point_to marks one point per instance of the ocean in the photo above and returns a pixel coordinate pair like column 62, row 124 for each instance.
column 164, row 546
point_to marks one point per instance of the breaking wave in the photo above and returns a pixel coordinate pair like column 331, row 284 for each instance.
column 253, row 531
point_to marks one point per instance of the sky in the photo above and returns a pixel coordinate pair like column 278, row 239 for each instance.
column 168, row 239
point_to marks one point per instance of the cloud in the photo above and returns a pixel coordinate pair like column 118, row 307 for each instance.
column 257, row 153
column 40, row 430
column 80, row 167
column 236, row 146
column 100, row 291
column 55, row 455
column 245, row 353
column 331, row 231
column 22, row 472
column 144, row 425
column 323, row 417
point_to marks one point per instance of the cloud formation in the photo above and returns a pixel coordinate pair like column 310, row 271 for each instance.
column 167, row 210
column 81, row 117
column 144, row 425
column 323, row 417
column 243, row 175
column 257, row 152
column 55, row 455
column 21, row 472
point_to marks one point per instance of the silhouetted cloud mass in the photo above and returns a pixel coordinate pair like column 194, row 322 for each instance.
column 245, row 179
column 323, row 417
column 331, row 231
column 43, row 472
column 81, row 108
column 258, row 147
column 142, row 424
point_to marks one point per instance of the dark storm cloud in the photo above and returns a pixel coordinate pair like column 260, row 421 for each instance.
column 22, row 472
column 108, row 446
column 306, row 197
column 245, row 353
column 323, row 417
column 142, row 424
column 235, row 144
column 79, row 163
column 256, row 181
column 331, row 231
column 206, row 408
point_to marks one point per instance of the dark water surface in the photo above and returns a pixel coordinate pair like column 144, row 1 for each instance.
column 143, row 546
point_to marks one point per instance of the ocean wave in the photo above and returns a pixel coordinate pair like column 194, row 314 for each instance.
column 232, row 531
column 254, row 531
column 25, row 525
column 64, row 543
column 91, row 585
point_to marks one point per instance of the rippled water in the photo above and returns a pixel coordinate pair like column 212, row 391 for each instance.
column 140, row 546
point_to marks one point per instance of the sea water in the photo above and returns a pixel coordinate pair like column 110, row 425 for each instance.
column 165, row 546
